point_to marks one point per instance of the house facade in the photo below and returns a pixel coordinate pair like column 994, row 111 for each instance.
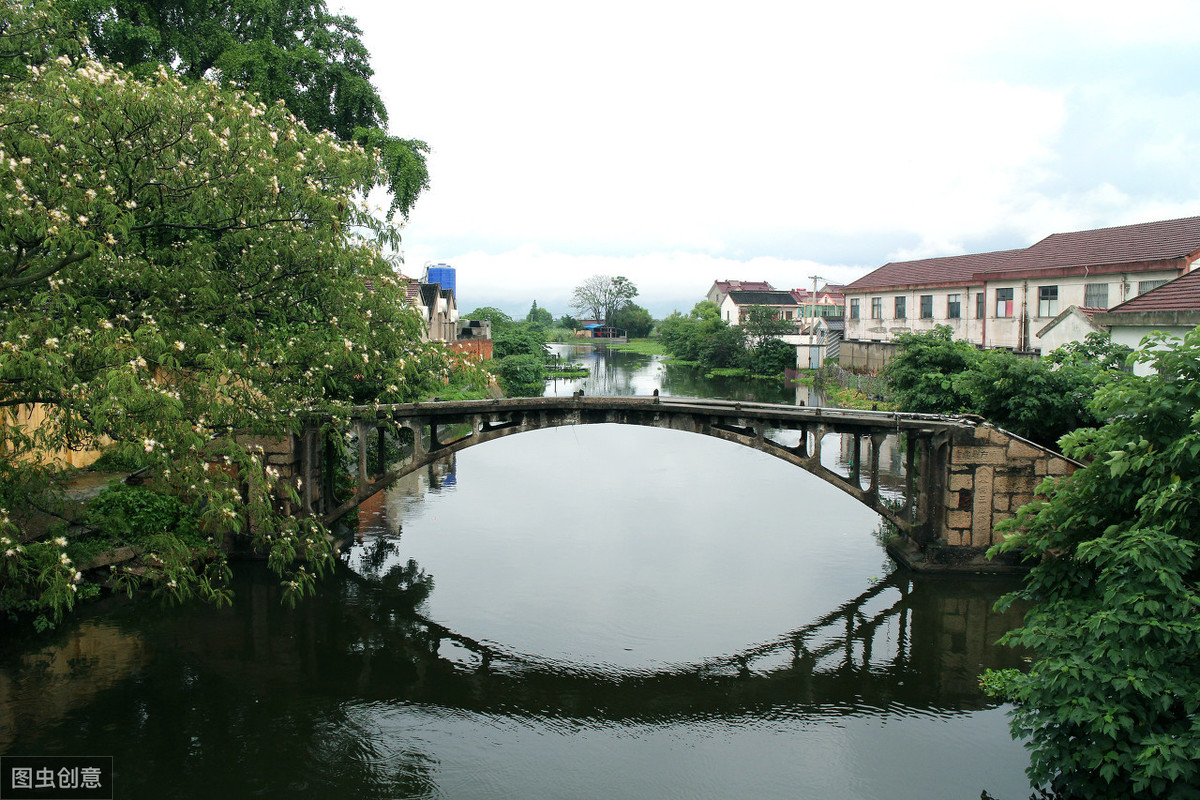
column 1008, row 299
column 1173, row 308
column 438, row 308
column 827, row 302
column 737, row 304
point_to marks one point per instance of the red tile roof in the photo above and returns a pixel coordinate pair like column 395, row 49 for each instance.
column 725, row 287
column 832, row 297
column 1141, row 245
column 1181, row 294
column 949, row 270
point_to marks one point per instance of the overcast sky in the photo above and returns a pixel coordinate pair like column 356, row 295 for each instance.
column 680, row 142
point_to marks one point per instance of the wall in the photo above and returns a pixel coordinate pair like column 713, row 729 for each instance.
column 476, row 348
column 860, row 356
column 992, row 331
column 34, row 416
column 992, row 474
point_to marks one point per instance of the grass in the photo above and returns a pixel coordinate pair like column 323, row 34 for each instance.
column 648, row 346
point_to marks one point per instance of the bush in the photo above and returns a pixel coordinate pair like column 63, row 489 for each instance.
column 522, row 375
column 1111, row 703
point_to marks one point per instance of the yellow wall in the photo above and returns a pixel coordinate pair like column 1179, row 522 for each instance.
column 34, row 416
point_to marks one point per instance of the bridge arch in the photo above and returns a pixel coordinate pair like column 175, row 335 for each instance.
column 961, row 476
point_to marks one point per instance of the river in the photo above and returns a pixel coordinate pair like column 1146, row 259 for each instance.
column 587, row 612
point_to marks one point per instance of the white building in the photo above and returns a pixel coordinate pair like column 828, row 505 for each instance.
column 1009, row 299
column 1173, row 308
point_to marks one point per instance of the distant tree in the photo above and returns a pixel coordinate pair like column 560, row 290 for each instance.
column 704, row 310
column 601, row 297
column 772, row 357
column 294, row 51
column 1109, row 707
column 723, row 346
column 636, row 320
column 539, row 316
column 763, row 323
column 493, row 315
column 521, row 375
column 567, row 321
column 518, row 339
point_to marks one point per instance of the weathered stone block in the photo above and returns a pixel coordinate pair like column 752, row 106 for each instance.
column 1058, row 466
column 1019, row 500
column 958, row 519
column 962, row 481
column 980, row 455
column 1013, row 484
column 996, row 436
column 981, row 515
column 1018, row 449
column 1000, row 502
column 267, row 444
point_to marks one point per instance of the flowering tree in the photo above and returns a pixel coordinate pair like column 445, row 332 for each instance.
column 178, row 261
column 290, row 50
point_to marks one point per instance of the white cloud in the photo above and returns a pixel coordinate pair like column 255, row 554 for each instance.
column 675, row 138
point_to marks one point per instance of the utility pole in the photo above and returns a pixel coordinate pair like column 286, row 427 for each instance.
column 814, row 279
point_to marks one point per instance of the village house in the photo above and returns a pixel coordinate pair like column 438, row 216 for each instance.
column 1011, row 299
column 720, row 290
column 438, row 308
column 1173, row 308
column 737, row 304
column 829, row 301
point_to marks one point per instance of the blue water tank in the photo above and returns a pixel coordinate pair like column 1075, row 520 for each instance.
column 443, row 274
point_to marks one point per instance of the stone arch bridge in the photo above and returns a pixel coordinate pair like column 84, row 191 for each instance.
column 961, row 475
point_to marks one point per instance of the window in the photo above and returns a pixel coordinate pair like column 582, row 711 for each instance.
column 1095, row 295
column 787, row 314
column 954, row 306
column 926, row 306
column 980, row 305
column 854, row 308
column 1145, row 286
column 1004, row 302
column 1047, row 301
column 876, row 308
column 901, row 307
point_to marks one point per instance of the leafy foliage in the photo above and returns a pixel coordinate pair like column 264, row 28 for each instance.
column 539, row 316
column 1111, row 705
column 703, row 337
column 522, row 375
column 1040, row 400
column 295, row 51
column 923, row 370
column 177, row 264
column 635, row 320
column 600, row 297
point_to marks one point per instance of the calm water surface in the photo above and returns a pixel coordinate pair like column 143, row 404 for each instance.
column 614, row 612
